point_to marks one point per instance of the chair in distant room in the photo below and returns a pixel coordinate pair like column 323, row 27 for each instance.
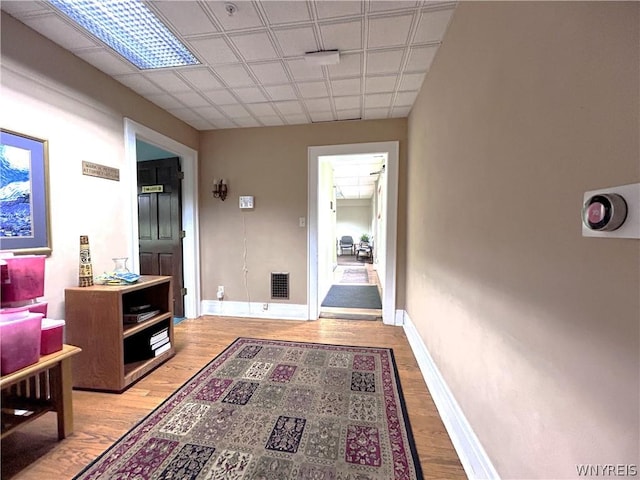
column 346, row 243
column 364, row 250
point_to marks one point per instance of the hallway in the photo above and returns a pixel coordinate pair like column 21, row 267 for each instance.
column 357, row 273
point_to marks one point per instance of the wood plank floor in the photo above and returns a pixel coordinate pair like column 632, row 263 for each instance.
column 101, row 418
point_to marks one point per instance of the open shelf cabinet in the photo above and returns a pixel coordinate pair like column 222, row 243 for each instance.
column 116, row 354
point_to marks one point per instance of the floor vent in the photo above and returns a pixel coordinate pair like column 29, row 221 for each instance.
column 279, row 285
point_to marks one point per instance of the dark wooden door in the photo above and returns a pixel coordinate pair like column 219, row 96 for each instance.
column 160, row 223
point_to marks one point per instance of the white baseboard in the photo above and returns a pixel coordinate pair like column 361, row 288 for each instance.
column 475, row 460
column 280, row 311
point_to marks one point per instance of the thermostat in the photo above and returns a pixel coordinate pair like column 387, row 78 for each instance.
column 612, row 212
column 604, row 212
column 246, row 201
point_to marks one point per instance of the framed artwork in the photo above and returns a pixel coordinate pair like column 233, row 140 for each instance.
column 24, row 200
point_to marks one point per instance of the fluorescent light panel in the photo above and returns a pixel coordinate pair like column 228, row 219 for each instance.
column 131, row 29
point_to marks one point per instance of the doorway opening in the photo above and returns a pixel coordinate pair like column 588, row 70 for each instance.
column 134, row 132
column 358, row 184
column 324, row 241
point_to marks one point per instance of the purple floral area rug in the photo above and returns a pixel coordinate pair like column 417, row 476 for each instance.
column 276, row 410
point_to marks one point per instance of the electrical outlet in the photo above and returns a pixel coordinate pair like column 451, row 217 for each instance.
column 220, row 292
column 265, row 306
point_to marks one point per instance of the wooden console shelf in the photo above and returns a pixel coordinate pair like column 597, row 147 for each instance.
column 115, row 354
column 43, row 387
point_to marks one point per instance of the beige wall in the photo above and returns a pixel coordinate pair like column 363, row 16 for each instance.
column 51, row 94
column 534, row 327
column 271, row 164
column 354, row 217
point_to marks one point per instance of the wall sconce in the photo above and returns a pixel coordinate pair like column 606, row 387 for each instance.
column 219, row 189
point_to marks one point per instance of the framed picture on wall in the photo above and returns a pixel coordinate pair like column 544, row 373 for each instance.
column 24, row 201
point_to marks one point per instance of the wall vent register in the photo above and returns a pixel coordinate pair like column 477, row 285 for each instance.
column 279, row 285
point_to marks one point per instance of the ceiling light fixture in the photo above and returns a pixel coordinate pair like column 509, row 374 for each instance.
column 323, row 57
column 131, row 29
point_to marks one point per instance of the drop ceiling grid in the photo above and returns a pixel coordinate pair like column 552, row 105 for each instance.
column 253, row 65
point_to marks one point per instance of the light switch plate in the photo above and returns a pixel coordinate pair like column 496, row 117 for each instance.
column 246, row 201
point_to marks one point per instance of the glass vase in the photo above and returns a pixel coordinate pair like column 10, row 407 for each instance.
column 120, row 265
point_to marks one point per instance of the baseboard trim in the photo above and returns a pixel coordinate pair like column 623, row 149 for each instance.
column 475, row 461
column 279, row 311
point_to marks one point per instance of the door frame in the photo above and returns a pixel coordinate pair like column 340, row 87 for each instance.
column 191, row 242
column 389, row 316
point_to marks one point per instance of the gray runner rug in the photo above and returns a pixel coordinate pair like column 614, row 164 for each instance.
column 353, row 296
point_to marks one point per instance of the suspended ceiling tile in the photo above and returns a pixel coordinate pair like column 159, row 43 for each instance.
column 272, row 73
column 220, row 97
column 374, row 113
column 250, row 95
column 432, row 25
column 139, row 84
column 254, row 46
column 224, row 123
column 342, row 35
column 186, row 114
column 380, row 84
column 245, row 17
column 201, row 124
column 109, row 63
column 313, row 89
column 420, row 58
column 209, row 113
column 347, row 103
column 188, row 18
column 289, row 108
column 411, row 81
column 404, row 99
column 333, row 9
column 384, row 6
column 384, row 61
column 400, row 112
column 302, row 71
column 235, row 111
column 261, row 109
column 378, row 100
column 213, row 51
column 348, row 114
column 21, row 8
column 296, row 41
column 273, row 120
column 350, row 86
column 235, row 76
column 318, row 105
column 389, row 31
column 61, row 32
column 321, row 116
column 200, row 78
column 282, row 12
column 191, row 99
column 247, row 122
column 296, row 119
column 350, row 192
column 281, row 92
column 350, row 66
column 170, row 81
column 165, row 101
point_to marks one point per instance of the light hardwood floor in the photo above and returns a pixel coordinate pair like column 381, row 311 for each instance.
column 101, row 418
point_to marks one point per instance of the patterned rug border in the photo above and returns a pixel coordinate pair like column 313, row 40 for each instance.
column 182, row 391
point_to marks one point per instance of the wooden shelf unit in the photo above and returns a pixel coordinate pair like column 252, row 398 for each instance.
column 94, row 322
column 43, row 387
